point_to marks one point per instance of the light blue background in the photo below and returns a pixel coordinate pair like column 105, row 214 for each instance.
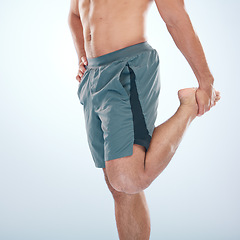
column 49, row 186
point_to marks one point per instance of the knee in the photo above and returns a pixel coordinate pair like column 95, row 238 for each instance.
column 124, row 186
column 127, row 184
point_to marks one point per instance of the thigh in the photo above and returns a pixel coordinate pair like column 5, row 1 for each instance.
column 127, row 167
column 124, row 164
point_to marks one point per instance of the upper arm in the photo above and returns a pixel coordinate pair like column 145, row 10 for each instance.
column 171, row 11
column 74, row 8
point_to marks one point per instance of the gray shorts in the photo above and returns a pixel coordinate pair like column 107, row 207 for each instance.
column 119, row 92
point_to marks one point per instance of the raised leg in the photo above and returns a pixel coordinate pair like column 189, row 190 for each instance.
column 134, row 173
column 131, row 213
column 167, row 136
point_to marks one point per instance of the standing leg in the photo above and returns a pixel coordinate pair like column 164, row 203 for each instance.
column 132, row 174
column 131, row 213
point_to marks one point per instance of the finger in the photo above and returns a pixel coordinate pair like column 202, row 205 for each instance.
column 207, row 108
column 82, row 68
column 78, row 78
column 80, row 73
column 215, row 101
column 84, row 60
column 217, row 98
column 218, row 95
column 217, row 92
column 80, row 63
column 212, row 102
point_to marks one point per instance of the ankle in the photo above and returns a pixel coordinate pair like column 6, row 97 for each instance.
column 189, row 110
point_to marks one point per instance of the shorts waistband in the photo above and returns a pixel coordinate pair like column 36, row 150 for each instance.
column 119, row 54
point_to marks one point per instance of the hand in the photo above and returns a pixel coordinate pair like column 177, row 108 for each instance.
column 81, row 68
column 206, row 98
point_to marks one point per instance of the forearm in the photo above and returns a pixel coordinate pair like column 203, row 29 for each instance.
column 76, row 29
column 189, row 44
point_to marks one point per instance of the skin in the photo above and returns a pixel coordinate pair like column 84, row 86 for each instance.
column 99, row 27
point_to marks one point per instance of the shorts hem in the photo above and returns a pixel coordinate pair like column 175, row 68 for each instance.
column 143, row 142
column 125, row 154
column 99, row 166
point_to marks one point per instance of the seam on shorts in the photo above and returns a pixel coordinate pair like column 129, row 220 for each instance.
column 141, row 135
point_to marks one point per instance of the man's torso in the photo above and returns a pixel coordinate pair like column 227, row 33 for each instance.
column 109, row 25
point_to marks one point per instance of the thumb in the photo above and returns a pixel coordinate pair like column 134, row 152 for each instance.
column 84, row 60
column 201, row 109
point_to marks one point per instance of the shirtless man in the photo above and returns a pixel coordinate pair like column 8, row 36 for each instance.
column 109, row 38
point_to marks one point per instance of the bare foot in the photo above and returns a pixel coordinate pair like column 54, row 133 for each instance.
column 187, row 98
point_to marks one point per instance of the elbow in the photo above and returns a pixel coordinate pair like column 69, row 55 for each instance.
column 72, row 18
